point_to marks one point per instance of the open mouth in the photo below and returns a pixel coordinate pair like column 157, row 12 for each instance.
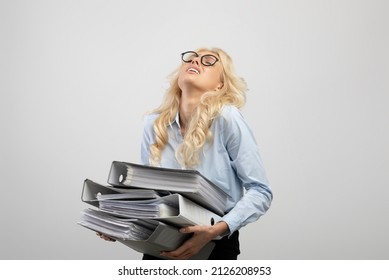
column 193, row 70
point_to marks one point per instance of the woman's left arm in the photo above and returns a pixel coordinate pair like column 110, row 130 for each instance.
column 248, row 167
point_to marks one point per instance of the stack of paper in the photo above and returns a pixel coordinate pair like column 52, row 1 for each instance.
column 141, row 209
column 144, row 207
column 126, row 229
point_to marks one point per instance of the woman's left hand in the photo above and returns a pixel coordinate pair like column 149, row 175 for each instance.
column 201, row 236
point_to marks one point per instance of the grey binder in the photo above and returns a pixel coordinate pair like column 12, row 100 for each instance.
column 92, row 190
column 187, row 213
column 189, row 183
column 164, row 237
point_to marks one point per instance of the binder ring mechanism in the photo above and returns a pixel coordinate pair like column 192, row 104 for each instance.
column 121, row 178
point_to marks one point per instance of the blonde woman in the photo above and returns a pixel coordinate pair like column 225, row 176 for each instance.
column 199, row 126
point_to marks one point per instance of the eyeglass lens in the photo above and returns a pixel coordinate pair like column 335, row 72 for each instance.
column 206, row 60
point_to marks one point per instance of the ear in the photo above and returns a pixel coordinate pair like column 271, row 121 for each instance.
column 219, row 86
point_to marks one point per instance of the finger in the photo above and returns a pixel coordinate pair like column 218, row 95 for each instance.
column 108, row 238
column 185, row 251
column 186, row 256
column 190, row 229
column 177, row 256
column 171, row 254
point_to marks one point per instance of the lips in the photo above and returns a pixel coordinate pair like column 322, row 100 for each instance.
column 193, row 70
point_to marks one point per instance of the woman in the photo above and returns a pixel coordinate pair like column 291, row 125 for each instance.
column 199, row 126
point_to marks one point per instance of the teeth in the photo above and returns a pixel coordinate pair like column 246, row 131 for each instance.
column 193, row 70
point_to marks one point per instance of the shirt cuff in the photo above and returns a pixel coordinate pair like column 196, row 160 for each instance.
column 231, row 227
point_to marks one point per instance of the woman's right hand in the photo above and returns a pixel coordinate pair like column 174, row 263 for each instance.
column 107, row 238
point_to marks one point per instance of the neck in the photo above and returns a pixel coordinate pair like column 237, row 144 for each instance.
column 188, row 103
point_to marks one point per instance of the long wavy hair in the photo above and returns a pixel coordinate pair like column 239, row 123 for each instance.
column 232, row 92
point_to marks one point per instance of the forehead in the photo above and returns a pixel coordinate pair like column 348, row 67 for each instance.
column 204, row 52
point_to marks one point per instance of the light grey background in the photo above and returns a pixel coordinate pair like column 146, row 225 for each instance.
column 77, row 76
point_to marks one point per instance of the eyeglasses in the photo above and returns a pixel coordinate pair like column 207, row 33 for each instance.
column 206, row 60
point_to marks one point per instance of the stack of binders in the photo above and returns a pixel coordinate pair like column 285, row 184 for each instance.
column 144, row 207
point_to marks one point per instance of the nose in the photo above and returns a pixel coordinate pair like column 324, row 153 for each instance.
column 195, row 60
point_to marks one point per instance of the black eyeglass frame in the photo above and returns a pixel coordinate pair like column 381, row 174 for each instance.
column 201, row 58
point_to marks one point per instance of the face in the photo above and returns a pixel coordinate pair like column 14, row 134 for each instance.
column 195, row 75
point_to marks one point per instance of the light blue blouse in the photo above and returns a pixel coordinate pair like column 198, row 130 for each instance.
column 232, row 162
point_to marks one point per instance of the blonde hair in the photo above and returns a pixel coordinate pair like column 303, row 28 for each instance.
column 211, row 103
